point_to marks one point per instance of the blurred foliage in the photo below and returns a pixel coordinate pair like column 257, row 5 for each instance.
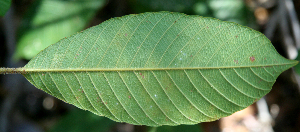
column 47, row 21
column 78, row 120
column 297, row 67
column 180, row 128
column 183, row 6
column 227, row 10
column 4, row 6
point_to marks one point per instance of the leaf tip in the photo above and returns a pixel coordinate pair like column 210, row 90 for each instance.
column 294, row 62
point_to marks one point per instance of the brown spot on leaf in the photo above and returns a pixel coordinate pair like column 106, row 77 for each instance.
column 236, row 36
column 142, row 75
column 236, row 61
column 211, row 108
column 125, row 34
column 252, row 58
column 191, row 56
column 175, row 21
column 129, row 97
column 259, row 80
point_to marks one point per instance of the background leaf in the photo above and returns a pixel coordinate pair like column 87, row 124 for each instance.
column 180, row 128
column 50, row 20
column 297, row 67
column 160, row 69
column 4, row 6
column 227, row 10
column 79, row 120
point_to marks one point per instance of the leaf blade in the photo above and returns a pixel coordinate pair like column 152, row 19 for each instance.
column 160, row 69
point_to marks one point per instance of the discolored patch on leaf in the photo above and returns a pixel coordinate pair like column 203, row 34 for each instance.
column 252, row 58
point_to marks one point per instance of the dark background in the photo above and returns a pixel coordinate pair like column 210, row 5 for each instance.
column 24, row 108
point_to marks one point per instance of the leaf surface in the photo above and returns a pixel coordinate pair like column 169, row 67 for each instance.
column 159, row 69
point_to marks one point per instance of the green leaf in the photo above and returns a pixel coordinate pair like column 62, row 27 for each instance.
column 180, row 128
column 79, row 121
column 228, row 10
column 4, row 6
column 159, row 69
column 163, row 5
column 50, row 20
column 297, row 67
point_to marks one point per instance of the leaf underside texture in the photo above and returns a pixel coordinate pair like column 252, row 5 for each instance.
column 159, row 69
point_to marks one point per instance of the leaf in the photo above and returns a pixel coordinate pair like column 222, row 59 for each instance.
column 162, row 5
column 297, row 67
column 78, row 121
column 227, row 10
column 50, row 20
column 234, row 11
column 159, row 69
column 180, row 128
column 4, row 6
